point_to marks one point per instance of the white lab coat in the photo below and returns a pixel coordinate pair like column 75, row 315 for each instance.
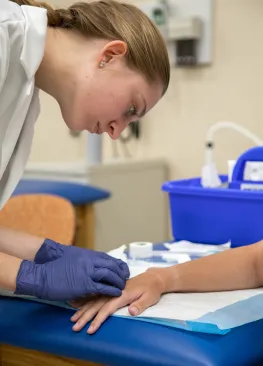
column 22, row 42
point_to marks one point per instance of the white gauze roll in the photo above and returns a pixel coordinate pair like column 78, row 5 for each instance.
column 140, row 249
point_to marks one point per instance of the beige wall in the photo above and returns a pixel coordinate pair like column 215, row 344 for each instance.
column 231, row 89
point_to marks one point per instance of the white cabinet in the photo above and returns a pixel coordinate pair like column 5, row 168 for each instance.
column 137, row 209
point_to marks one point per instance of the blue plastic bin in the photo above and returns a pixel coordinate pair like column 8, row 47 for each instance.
column 214, row 216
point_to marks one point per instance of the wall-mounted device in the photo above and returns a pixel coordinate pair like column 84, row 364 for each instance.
column 186, row 33
column 186, row 26
column 190, row 31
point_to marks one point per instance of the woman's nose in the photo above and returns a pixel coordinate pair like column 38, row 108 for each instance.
column 115, row 129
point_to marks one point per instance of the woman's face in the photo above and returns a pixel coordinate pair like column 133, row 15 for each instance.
column 109, row 98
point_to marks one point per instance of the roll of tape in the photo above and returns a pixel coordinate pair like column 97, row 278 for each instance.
column 140, row 249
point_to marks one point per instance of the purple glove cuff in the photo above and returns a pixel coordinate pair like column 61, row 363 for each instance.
column 28, row 281
column 49, row 251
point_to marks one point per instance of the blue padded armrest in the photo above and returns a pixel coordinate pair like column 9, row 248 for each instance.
column 122, row 342
column 78, row 194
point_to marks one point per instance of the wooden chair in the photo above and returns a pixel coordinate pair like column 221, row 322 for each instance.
column 42, row 215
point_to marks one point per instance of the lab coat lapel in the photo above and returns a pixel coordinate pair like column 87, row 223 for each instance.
column 35, row 34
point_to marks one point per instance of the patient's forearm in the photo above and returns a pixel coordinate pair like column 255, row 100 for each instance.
column 19, row 244
column 233, row 269
column 9, row 267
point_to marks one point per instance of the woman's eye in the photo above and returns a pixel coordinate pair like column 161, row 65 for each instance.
column 132, row 111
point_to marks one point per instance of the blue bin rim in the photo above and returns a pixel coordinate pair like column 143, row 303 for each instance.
column 177, row 187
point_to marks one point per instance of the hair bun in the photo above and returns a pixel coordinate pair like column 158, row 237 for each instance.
column 61, row 18
column 74, row 15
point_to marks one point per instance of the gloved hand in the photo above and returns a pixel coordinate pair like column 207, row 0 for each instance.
column 49, row 251
column 71, row 273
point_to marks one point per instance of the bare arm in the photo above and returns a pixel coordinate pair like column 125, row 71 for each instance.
column 233, row 269
column 9, row 267
column 19, row 244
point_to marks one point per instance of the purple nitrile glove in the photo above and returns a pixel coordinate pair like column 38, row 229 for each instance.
column 75, row 273
column 51, row 250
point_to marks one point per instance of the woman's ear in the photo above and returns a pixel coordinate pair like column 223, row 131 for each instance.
column 112, row 51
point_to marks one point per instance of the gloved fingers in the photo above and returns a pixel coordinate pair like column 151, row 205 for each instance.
column 123, row 266
column 87, row 312
column 114, row 266
column 103, row 289
column 105, row 275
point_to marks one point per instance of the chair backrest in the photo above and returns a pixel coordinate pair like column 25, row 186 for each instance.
column 41, row 215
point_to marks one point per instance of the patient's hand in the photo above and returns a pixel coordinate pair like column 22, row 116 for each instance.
column 140, row 293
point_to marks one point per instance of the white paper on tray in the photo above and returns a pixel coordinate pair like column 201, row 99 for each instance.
column 188, row 247
column 192, row 306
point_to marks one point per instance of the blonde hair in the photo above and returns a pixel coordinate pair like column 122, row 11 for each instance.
column 112, row 20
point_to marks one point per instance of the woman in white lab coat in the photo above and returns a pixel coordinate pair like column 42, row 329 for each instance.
column 106, row 65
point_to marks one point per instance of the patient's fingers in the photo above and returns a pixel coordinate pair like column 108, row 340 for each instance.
column 87, row 312
column 83, row 300
column 78, row 303
column 108, row 309
column 81, row 311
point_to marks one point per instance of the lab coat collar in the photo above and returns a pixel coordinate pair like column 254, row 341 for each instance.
column 34, row 40
column 4, row 9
